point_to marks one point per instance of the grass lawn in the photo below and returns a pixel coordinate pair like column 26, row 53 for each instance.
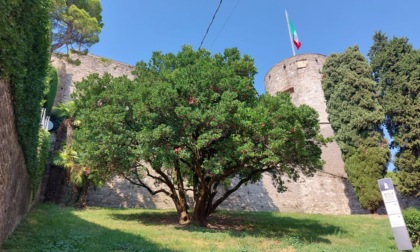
column 52, row 228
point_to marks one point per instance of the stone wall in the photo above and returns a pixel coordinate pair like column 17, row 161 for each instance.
column 322, row 193
column 70, row 73
column 15, row 189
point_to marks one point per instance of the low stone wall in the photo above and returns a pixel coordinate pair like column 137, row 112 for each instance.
column 322, row 193
column 16, row 196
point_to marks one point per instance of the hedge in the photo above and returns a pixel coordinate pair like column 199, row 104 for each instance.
column 412, row 221
column 51, row 84
column 24, row 57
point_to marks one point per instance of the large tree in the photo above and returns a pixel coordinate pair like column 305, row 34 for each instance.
column 396, row 67
column 193, row 122
column 356, row 116
column 75, row 23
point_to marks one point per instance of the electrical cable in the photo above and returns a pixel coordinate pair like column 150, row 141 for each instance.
column 230, row 14
column 208, row 28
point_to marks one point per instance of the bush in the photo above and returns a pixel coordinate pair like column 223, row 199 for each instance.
column 412, row 220
column 51, row 84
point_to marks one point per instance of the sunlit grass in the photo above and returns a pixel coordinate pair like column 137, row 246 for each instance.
column 52, row 228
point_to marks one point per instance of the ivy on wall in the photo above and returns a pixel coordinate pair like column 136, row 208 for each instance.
column 43, row 152
column 51, row 85
column 24, row 57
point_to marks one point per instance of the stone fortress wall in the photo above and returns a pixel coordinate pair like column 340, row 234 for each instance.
column 16, row 196
column 70, row 73
column 327, row 192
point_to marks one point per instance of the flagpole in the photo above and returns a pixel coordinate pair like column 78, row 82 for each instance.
column 290, row 34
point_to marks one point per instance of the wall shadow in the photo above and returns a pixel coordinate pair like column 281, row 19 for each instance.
column 239, row 224
column 354, row 204
column 55, row 185
column 120, row 193
column 43, row 230
column 252, row 197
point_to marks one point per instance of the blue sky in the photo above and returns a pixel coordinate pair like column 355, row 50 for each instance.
column 135, row 28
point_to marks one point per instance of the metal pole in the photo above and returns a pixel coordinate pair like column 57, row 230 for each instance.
column 290, row 34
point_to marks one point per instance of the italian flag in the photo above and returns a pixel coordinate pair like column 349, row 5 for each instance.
column 294, row 35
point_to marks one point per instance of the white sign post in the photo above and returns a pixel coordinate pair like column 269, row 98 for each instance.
column 394, row 213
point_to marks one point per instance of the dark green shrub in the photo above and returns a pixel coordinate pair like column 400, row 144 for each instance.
column 51, row 84
column 412, row 220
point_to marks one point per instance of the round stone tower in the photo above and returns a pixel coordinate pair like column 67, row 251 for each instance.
column 328, row 191
column 301, row 76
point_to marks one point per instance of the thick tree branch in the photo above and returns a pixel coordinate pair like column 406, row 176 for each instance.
column 235, row 188
column 65, row 39
column 169, row 183
column 185, row 162
column 140, row 183
column 154, row 177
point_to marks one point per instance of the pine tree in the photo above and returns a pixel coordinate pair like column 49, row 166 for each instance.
column 75, row 23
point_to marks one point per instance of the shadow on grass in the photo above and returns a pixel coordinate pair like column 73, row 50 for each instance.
column 51, row 228
column 242, row 224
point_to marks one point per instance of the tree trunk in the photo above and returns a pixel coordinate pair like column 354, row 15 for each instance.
column 201, row 207
column 84, row 194
column 182, row 209
column 184, row 217
column 65, row 39
column 69, row 131
column 201, row 218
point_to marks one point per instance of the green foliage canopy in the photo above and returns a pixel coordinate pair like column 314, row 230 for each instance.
column 193, row 121
column 396, row 67
column 75, row 22
column 24, row 54
column 356, row 116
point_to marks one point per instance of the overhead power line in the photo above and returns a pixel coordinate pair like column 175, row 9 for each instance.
column 224, row 24
column 208, row 28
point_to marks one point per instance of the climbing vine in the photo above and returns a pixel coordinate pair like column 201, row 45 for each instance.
column 24, row 54
column 51, row 85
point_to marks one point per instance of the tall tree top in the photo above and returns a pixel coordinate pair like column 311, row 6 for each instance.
column 75, row 23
